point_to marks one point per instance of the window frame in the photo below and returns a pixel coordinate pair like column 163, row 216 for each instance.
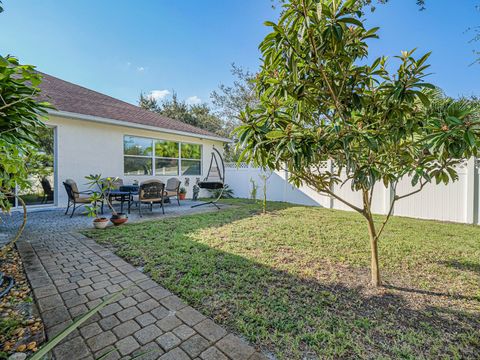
column 153, row 156
column 189, row 159
column 138, row 156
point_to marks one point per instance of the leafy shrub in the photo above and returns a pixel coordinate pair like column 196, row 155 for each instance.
column 227, row 193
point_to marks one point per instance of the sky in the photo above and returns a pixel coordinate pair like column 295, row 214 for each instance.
column 122, row 48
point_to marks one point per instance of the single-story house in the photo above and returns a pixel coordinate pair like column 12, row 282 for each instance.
column 93, row 133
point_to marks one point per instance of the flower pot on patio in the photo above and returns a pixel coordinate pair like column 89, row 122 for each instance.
column 119, row 219
column 182, row 193
column 100, row 223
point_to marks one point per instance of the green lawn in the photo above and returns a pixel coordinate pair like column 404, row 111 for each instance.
column 294, row 282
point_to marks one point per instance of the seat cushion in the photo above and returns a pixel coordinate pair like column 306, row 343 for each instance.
column 74, row 187
column 210, row 185
column 172, row 184
column 83, row 199
column 151, row 200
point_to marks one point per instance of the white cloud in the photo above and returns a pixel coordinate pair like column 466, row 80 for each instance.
column 140, row 69
column 158, row 94
column 193, row 100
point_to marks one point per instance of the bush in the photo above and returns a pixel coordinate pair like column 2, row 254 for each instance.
column 227, row 193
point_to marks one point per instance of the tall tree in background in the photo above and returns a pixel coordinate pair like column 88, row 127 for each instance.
column 322, row 100
column 205, row 118
column 230, row 101
column 199, row 115
column 177, row 109
column 148, row 103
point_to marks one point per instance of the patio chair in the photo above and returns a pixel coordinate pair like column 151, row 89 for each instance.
column 75, row 197
column 151, row 192
column 215, row 179
column 116, row 185
column 47, row 190
column 173, row 189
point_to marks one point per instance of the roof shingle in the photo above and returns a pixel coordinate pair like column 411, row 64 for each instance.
column 73, row 98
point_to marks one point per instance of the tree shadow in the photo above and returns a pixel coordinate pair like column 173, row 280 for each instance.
column 463, row 265
column 289, row 315
column 432, row 293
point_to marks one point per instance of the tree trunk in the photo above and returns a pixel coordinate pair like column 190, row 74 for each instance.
column 11, row 243
column 374, row 252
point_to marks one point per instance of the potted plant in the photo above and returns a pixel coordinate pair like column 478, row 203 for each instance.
column 105, row 186
column 182, row 193
column 92, row 211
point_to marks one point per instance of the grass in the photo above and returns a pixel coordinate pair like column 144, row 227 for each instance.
column 294, row 282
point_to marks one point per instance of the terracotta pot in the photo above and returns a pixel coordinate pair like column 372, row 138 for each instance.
column 119, row 219
column 100, row 223
column 182, row 196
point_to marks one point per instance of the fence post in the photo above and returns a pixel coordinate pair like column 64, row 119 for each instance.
column 387, row 199
column 330, row 169
column 476, row 192
column 470, row 192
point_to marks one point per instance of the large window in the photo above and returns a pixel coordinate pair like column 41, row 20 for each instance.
column 137, row 158
column 41, row 174
column 143, row 156
column 166, row 157
column 191, row 159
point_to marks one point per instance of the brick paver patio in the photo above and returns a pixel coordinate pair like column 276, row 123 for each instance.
column 71, row 274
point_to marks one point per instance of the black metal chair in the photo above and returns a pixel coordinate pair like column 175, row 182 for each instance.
column 116, row 184
column 75, row 197
column 215, row 179
column 151, row 192
column 47, row 190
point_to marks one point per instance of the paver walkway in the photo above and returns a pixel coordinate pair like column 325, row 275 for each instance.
column 54, row 220
column 70, row 274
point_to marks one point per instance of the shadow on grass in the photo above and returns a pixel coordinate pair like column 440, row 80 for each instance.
column 432, row 293
column 291, row 316
column 463, row 265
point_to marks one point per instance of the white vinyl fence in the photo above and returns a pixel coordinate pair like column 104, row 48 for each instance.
column 457, row 202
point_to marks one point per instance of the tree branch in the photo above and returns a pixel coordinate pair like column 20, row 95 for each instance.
column 320, row 65
column 422, row 185
column 329, row 192
column 390, row 211
column 11, row 243
column 15, row 102
column 395, row 198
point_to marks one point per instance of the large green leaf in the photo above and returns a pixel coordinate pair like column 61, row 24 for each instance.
column 275, row 134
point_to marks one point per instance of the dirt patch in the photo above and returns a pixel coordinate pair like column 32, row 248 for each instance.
column 21, row 329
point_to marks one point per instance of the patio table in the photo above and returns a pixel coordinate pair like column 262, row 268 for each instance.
column 124, row 194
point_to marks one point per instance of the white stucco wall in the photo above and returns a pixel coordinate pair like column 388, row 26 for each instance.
column 86, row 147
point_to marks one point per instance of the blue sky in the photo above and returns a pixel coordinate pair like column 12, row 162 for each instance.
column 123, row 47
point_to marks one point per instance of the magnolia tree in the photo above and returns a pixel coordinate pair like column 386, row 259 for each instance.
column 20, row 123
column 322, row 98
